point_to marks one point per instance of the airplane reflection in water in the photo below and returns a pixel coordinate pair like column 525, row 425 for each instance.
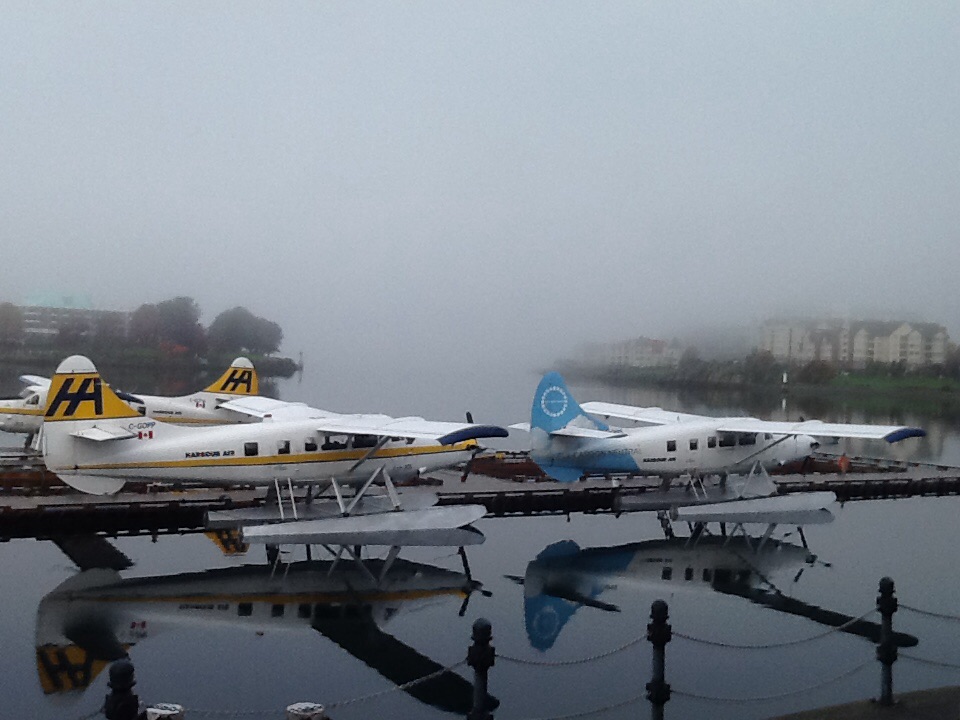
column 96, row 616
column 563, row 578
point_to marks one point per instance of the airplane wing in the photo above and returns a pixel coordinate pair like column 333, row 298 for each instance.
column 35, row 380
column 416, row 428
column 815, row 428
column 574, row 431
column 102, row 434
column 642, row 415
column 262, row 407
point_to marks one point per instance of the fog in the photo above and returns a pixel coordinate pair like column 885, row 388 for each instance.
column 445, row 190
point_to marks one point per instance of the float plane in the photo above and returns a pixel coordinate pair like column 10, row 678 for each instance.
column 96, row 617
column 569, row 441
column 24, row 414
column 95, row 442
column 564, row 577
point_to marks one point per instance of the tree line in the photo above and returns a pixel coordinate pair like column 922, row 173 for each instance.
column 171, row 327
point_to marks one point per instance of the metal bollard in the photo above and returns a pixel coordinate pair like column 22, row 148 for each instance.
column 306, row 711
column 480, row 656
column 659, row 633
column 121, row 702
column 886, row 648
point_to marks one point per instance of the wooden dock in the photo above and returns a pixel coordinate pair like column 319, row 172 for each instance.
column 47, row 509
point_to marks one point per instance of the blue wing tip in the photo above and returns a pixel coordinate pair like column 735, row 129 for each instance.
column 904, row 433
column 472, row 433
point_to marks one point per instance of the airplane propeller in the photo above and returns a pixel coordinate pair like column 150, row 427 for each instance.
column 472, row 585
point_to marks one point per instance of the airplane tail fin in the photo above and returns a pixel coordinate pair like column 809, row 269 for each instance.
column 554, row 407
column 77, row 393
column 239, row 379
column 80, row 404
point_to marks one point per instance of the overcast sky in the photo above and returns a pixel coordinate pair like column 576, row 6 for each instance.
column 421, row 185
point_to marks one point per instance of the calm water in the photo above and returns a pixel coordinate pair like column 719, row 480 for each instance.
column 205, row 630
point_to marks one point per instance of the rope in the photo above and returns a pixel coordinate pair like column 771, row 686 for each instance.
column 562, row 663
column 595, row 711
column 934, row 663
column 762, row 698
column 768, row 646
column 940, row 616
column 404, row 686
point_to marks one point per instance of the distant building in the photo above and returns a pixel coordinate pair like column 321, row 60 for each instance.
column 855, row 343
column 638, row 352
column 44, row 323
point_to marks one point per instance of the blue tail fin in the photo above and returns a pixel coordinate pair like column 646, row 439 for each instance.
column 554, row 406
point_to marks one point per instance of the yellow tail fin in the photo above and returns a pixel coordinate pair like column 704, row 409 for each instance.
column 239, row 379
column 78, row 393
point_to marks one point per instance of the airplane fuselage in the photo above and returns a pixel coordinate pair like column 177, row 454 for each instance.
column 670, row 450
column 250, row 453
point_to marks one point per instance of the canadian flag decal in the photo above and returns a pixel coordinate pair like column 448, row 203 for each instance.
column 145, row 435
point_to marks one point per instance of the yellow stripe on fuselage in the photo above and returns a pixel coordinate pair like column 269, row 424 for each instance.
column 320, row 457
column 20, row 411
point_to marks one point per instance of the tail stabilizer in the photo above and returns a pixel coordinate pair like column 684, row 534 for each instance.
column 554, row 407
column 77, row 393
column 239, row 379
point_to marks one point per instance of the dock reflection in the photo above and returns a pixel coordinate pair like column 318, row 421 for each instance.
column 565, row 577
column 97, row 616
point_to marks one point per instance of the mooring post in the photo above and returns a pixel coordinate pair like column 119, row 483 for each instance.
column 121, row 702
column 480, row 657
column 659, row 634
column 886, row 648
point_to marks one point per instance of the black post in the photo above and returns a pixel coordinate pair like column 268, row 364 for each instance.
column 659, row 634
column 886, row 648
column 121, row 703
column 480, row 657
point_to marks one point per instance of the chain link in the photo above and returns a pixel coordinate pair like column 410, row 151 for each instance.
column 770, row 646
column 580, row 661
column 395, row 688
column 928, row 613
column 595, row 711
column 763, row 698
column 925, row 661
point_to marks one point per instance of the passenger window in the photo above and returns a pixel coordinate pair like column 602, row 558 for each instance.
column 693, row 444
column 707, row 575
column 276, row 611
column 283, row 447
column 364, row 441
column 666, row 573
column 712, row 441
column 767, row 436
column 748, row 439
column 728, row 440
column 310, row 445
column 245, row 609
column 303, row 610
column 334, row 442
column 688, row 574
column 142, row 409
column 671, row 445
column 251, row 449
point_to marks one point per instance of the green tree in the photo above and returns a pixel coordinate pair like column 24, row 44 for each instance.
column 239, row 330
column 179, row 321
column 145, row 326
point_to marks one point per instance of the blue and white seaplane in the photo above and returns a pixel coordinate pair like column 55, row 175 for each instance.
column 565, row 577
column 570, row 441
column 95, row 442
column 24, row 414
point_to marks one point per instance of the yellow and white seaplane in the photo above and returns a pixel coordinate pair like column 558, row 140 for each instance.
column 96, row 617
column 95, row 442
column 24, row 414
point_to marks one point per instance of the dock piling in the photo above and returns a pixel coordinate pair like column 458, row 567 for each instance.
column 659, row 634
column 887, row 647
column 480, row 656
